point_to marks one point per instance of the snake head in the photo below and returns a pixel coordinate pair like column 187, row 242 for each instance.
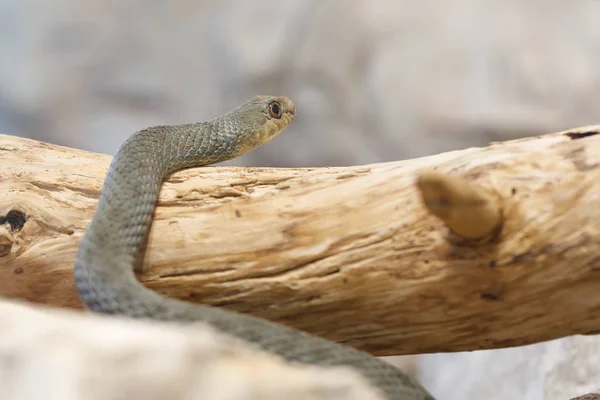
column 263, row 118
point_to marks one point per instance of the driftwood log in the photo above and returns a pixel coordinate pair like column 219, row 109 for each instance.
column 479, row 248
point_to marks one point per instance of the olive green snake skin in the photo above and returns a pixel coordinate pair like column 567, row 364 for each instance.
column 112, row 245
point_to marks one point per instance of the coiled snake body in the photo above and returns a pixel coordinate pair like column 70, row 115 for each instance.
column 111, row 246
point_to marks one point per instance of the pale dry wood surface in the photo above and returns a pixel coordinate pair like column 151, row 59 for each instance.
column 62, row 355
column 351, row 254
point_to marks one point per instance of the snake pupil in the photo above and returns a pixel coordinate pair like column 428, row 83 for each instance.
column 275, row 110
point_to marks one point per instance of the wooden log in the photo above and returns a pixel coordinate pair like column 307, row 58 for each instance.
column 589, row 396
column 64, row 355
column 351, row 254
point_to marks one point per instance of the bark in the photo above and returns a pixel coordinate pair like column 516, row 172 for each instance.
column 360, row 255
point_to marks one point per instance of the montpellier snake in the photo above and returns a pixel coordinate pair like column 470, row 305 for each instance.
column 111, row 246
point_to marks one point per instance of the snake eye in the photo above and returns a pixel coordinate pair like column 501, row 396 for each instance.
column 275, row 110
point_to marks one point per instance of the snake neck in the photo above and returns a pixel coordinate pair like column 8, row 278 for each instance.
column 118, row 231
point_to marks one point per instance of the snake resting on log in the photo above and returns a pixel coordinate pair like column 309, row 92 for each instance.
column 113, row 243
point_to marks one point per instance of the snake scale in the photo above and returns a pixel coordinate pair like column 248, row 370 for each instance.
column 112, row 245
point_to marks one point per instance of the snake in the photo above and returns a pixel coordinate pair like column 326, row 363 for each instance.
column 111, row 248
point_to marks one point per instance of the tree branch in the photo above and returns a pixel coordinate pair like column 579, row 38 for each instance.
column 467, row 210
column 351, row 254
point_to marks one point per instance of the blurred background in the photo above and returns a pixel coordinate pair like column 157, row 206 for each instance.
column 372, row 80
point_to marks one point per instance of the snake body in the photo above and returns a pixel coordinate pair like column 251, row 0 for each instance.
column 112, row 245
